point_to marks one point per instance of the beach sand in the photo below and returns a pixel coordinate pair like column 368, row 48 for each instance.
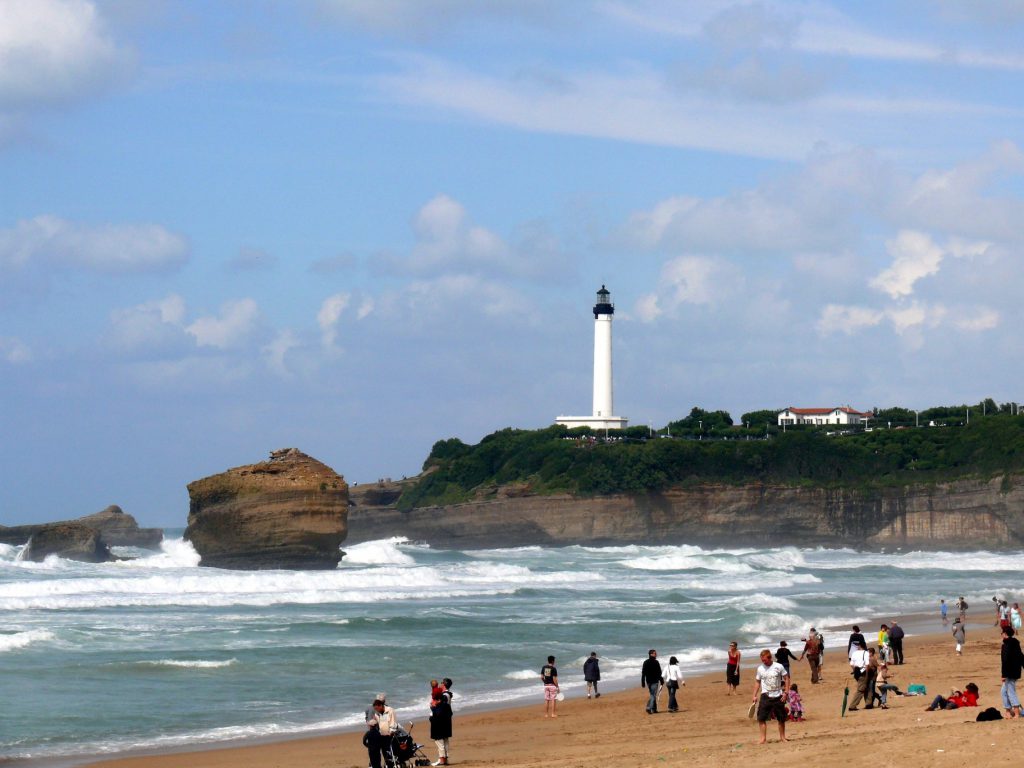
column 711, row 729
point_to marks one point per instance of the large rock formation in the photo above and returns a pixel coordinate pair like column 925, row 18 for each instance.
column 73, row 541
column 288, row 512
column 118, row 529
column 965, row 514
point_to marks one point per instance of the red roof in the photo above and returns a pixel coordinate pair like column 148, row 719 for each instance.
column 823, row 411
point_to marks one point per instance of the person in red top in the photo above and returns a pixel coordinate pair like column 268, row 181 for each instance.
column 968, row 697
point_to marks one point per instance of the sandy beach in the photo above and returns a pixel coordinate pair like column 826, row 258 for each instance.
column 712, row 728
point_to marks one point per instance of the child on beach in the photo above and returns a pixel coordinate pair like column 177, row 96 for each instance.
column 796, row 704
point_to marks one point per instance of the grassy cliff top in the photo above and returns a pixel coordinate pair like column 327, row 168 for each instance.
column 555, row 459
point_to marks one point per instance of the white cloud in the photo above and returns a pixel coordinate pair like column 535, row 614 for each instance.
column 365, row 308
column 54, row 242
column 836, row 318
column 915, row 256
column 53, row 51
column 983, row 319
column 14, row 351
column 329, row 315
column 276, row 352
column 696, row 280
column 152, row 324
column 237, row 320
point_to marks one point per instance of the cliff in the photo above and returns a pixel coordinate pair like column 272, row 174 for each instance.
column 117, row 528
column 73, row 541
column 288, row 512
column 965, row 514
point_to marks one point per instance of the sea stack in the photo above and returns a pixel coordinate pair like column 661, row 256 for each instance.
column 288, row 512
column 72, row 541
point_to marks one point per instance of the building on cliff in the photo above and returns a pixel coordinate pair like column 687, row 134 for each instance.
column 840, row 415
column 603, row 412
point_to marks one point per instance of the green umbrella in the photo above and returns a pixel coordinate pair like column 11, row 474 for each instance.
column 846, row 694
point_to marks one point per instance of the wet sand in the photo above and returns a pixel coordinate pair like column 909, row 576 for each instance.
column 711, row 729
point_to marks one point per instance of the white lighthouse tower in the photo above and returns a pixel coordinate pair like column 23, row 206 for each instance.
column 603, row 415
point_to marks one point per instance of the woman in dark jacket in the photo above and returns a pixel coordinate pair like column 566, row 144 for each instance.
column 441, row 721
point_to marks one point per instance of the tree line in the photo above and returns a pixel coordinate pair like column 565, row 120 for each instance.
column 706, row 447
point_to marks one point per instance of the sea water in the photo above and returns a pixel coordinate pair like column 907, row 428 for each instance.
column 158, row 653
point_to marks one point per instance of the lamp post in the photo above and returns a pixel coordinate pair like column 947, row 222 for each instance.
column 700, row 435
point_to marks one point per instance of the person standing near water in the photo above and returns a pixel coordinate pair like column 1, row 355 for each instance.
column 651, row 679
column 1011, row 659
column 896, row 642
column 592, row 674
column 549, row 679
column 943, row 609
column 732, row 668
column 772, row 682
column 441, row 721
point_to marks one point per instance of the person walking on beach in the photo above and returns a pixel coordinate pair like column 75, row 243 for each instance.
column 896, row 642
column 1012, row 660
column 732, row 669
column 441, row 721
column 1015, row 617
column 855, row 637
column 943, row 609
column 859, row 661
column 651, row 679
column 883, row 643
column 960, row 636
column 772, row 683
column 592, row 674
column 783, row 655
column 812, row 652
column 673, row 679
column 549, row 679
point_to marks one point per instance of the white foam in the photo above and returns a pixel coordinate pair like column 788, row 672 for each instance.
column 174, row 553
column 679, row 561
column 522, row 674
column 379, row 552
column 195, row 664
column 23, row 639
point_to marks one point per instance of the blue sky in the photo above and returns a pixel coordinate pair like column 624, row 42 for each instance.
column 358, row 227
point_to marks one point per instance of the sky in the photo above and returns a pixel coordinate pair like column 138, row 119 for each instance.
column 357, row 227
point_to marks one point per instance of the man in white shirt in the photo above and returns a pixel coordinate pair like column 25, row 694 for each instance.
column 771, row 681
column 859, row 661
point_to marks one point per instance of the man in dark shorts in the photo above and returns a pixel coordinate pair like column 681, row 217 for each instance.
column 549, row 678
column 771, row 681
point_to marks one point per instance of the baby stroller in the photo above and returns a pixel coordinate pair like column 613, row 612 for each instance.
column 401, row 751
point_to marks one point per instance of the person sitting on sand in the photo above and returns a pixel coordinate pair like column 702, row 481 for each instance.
column 968, row 697
column 885, row 675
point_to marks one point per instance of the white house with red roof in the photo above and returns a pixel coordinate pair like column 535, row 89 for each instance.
column 843, row 414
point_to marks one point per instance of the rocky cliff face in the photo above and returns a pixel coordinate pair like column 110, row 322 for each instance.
column 288, row 512
column 118, row 529
column 73, row 541
column 966, row 514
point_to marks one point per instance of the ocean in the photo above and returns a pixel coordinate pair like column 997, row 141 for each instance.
column 157, row 653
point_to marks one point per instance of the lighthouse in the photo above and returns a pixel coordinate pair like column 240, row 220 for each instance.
column 603, row 412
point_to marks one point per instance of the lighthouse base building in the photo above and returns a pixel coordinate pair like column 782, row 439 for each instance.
column 603, row 415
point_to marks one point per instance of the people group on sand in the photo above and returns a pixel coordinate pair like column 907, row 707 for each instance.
column 774, row 695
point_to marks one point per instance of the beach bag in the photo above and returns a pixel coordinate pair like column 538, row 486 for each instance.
column 916, row 689
column 989, row 714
